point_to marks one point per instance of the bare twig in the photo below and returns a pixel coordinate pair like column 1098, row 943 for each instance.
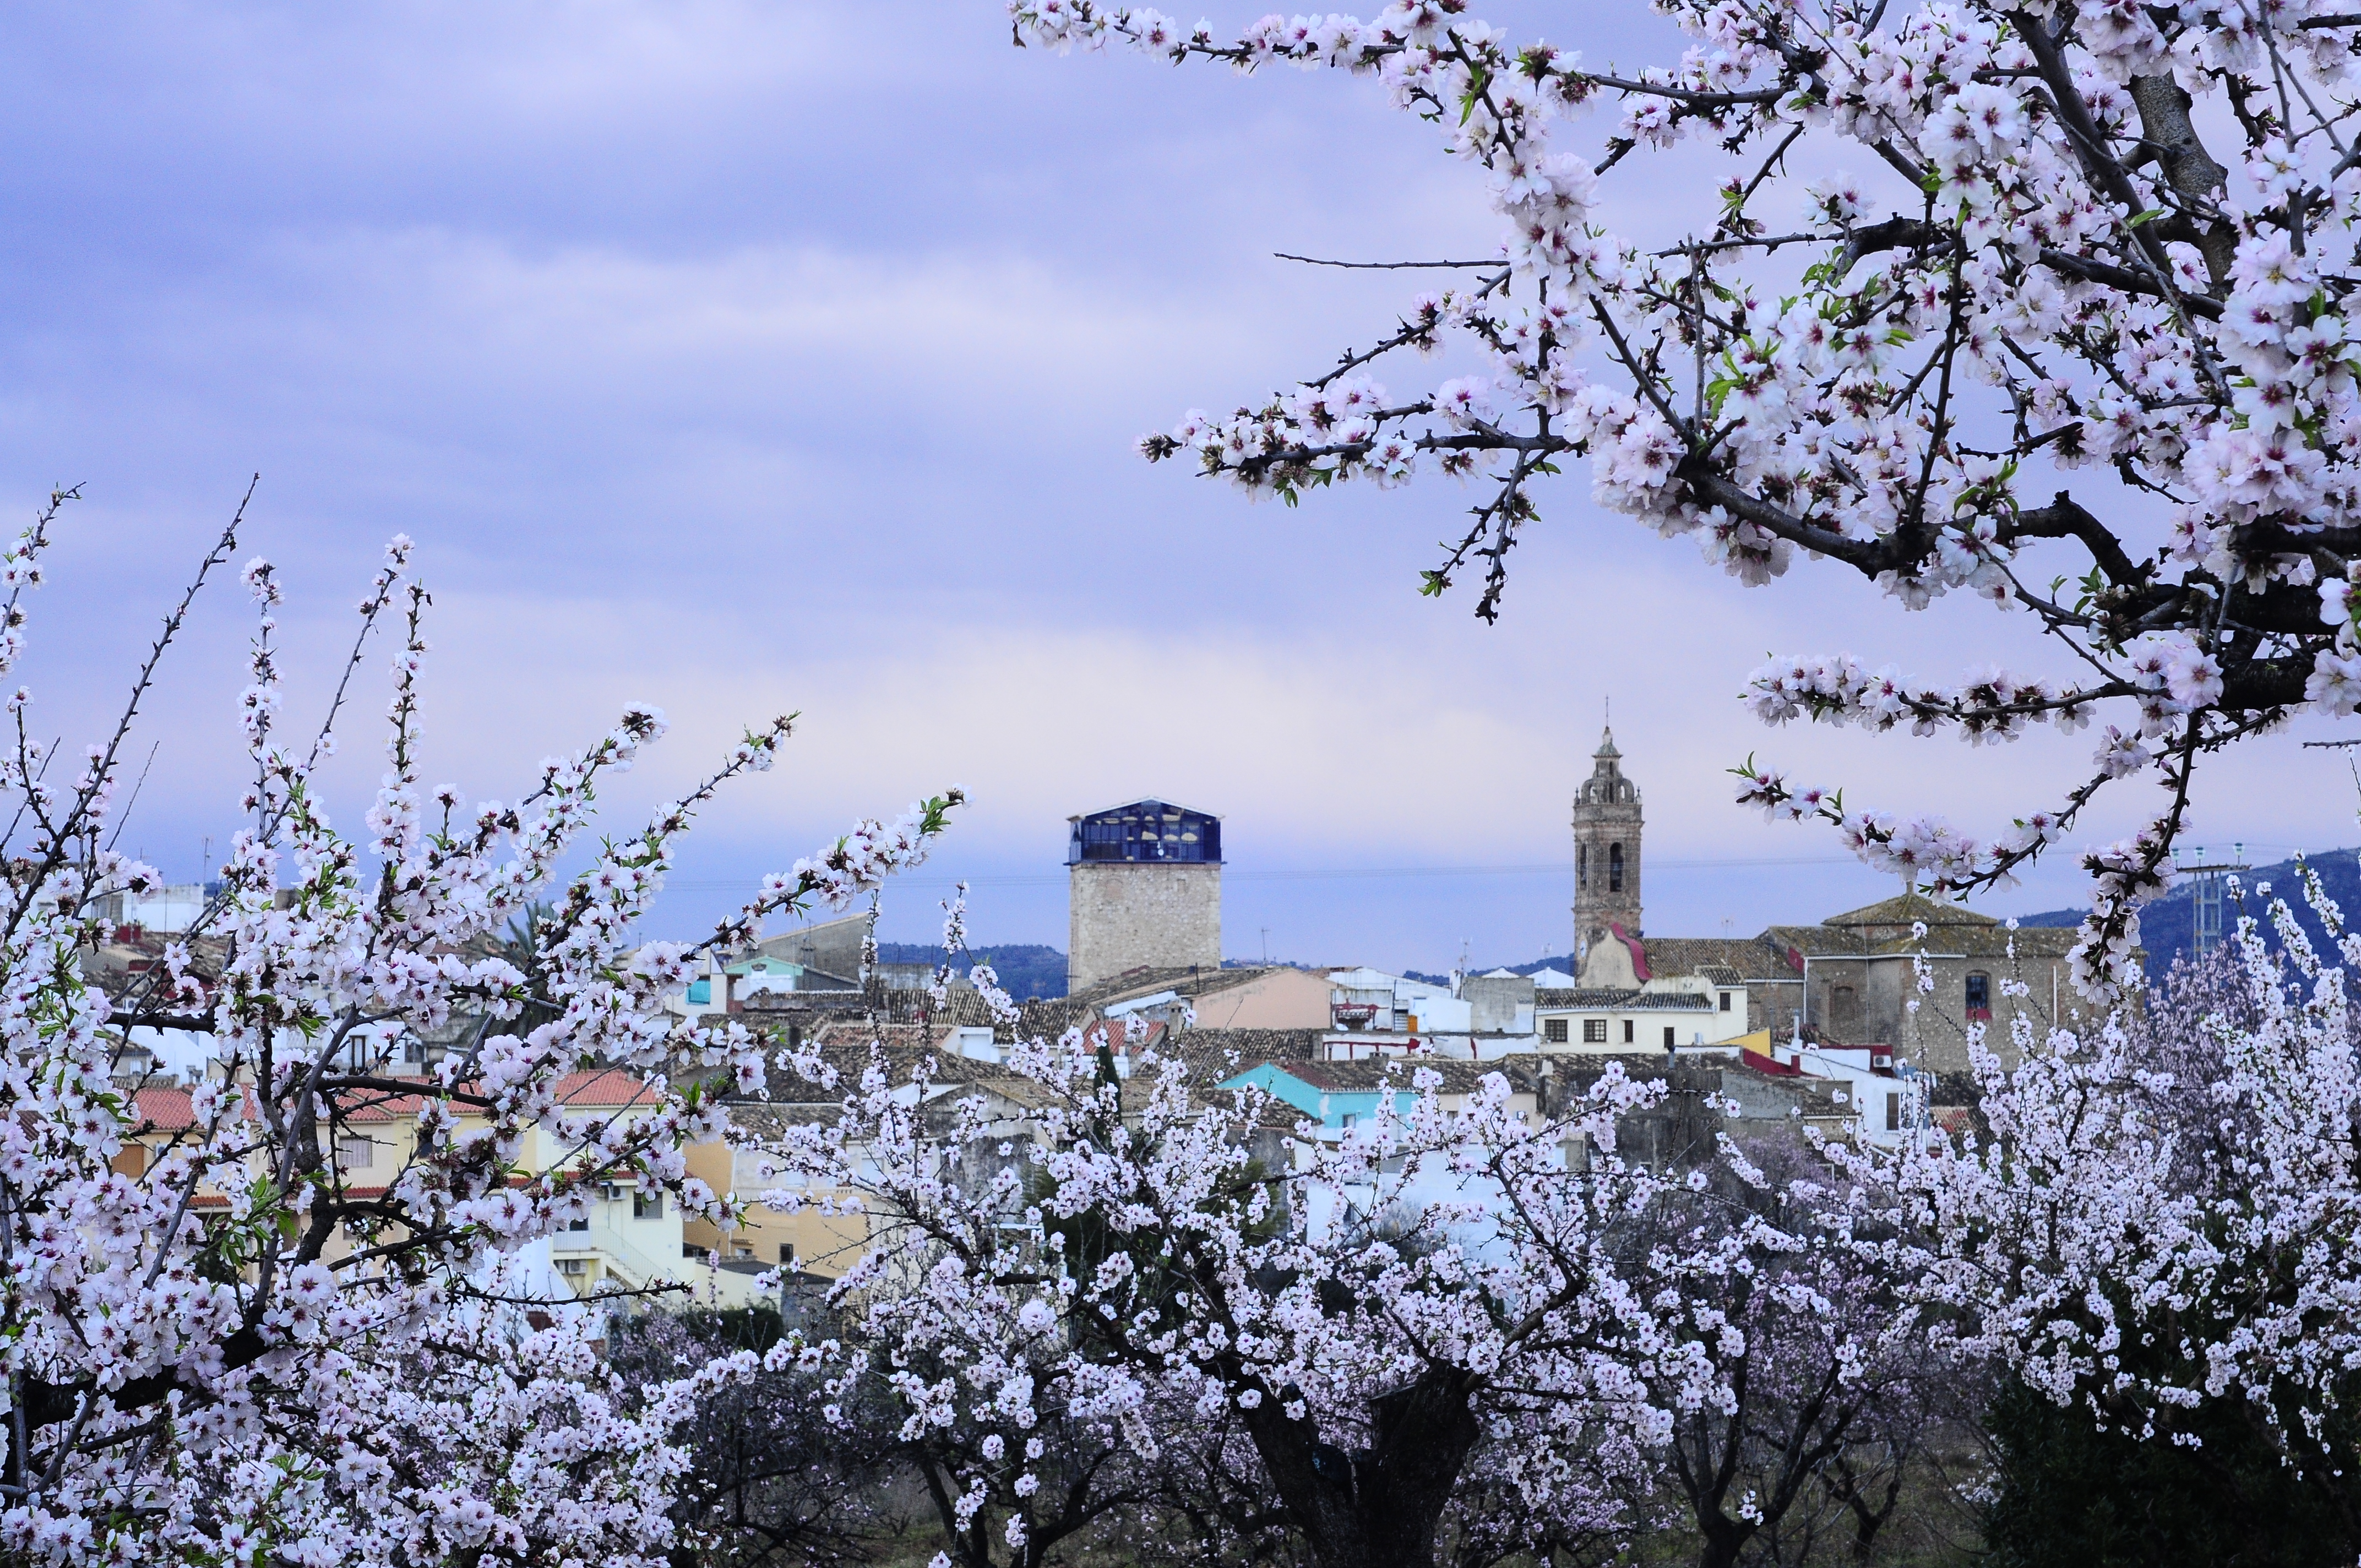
column 1379, row 265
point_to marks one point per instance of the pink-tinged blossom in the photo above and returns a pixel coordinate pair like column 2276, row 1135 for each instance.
column 2334, row 684
column 2337, row 602
column 2179, row 1178
column 1993, row 300
column 311, row 979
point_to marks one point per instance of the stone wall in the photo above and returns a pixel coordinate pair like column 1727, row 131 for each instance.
column 1933, row 1037
column 1124, row 915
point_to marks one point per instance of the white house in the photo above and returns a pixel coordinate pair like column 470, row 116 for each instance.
column 167, row 911
column 1677, row 1013
column 1889, row 1096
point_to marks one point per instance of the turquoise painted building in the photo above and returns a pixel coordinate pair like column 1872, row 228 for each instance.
column 758, row 972
column 1313, row 1091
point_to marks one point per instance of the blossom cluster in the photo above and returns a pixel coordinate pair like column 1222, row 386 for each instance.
column 2150, row 1225
column 2056, row 255
column 221, row 1344
column 1126, row 1262
column 1060, row 1285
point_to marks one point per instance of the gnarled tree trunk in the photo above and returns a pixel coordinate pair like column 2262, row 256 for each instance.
column 1379, row 1507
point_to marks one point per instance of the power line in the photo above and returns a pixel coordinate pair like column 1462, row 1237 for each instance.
column 1328, row 873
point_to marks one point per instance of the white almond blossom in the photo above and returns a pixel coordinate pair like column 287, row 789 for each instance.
column 2028, row 274
column 218, row 1347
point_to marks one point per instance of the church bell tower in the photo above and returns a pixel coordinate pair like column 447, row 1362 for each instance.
column 1606, row 851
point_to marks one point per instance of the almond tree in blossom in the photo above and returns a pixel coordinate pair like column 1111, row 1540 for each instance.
column 2043, row 303
column 769, row 1484
column 218, row 1349
column 2165, row 1218
column 1445, row 1304
column 1824, row 1367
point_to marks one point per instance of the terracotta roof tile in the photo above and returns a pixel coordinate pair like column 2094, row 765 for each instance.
column 164, row 1110
column 1181, row 981
column 1737, row 958
column 1905, row 908
column 604, row 1086
column 1139, row 980
column 1625, row 1000
column 1213, row 1055
column 1351, row 1077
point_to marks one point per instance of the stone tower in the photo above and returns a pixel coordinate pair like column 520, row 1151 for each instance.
column 1606, row 851
column 1144, row 887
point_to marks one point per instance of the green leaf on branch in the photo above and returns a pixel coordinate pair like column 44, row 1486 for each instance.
column 1482, row 79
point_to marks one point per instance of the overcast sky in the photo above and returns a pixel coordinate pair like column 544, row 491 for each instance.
column 741, row 358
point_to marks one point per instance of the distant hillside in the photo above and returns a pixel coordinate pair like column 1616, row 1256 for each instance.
column 2166, row 924
column 1562, row 963
column 1026, row 969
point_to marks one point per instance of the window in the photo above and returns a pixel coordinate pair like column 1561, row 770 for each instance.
column 647, row 1205
column 787, row 1254
column 1668, row 1037
column 1724, row 1005
column 1978, row 996
column 581, row 1225
column 1614, row 868
column 1893, row 1111
column 1628, row 1027
column 1554, row 1031
column 1582, row 865
column 700, row 993
column 1594, row 1031
column 355, row 1152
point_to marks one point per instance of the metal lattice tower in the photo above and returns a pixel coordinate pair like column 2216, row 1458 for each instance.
column 2206, row 894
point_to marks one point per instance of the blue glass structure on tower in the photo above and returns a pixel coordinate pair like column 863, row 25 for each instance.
column 1144, row 831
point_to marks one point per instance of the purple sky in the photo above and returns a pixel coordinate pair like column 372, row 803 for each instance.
column 743, row 358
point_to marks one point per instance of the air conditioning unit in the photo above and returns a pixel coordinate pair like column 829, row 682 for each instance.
column 573, row 1265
